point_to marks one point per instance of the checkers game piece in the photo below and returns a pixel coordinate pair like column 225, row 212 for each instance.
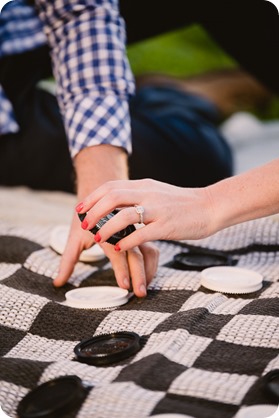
column 106, row 349
column 258, row 411
column 97, row 297
column 53, row 399
column 58, row 240
column 199, row 260
column 228, row 279
column 115, row 237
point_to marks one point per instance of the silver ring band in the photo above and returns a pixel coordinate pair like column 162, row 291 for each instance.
column 140, row 212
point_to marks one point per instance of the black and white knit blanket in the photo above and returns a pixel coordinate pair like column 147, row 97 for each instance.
column 205, row 353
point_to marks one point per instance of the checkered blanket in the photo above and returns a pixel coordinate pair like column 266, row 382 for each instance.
column 205, row 353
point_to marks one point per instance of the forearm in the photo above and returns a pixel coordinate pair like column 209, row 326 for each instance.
column 247, row 196
column 98, row 164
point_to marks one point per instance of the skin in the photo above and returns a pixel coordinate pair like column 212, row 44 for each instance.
column 135, row 267
column 182, row 213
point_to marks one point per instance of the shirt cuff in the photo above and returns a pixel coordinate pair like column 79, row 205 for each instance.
column 98, row 120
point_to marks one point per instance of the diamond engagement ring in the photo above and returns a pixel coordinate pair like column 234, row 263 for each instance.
column 140, row 211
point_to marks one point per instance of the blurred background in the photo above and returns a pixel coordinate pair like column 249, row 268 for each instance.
column 189, row 52
column 250, row 112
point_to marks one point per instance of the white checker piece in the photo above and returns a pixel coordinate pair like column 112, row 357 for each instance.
column 58, row 240
column 230, row 279
column 258, row 411
column 97, row 297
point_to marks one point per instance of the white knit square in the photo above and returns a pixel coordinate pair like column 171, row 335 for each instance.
column 214, row 386
column 19, row 309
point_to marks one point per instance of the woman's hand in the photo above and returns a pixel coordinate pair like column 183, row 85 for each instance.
column 170, row 212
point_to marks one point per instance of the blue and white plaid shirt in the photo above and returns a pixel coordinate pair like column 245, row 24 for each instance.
column 93, row 76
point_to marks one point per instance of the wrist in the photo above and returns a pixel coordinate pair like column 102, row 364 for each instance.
column 98, row 164
column 214, row 218
column 198, row 211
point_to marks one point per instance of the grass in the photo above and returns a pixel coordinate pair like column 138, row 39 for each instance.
column 186, row 52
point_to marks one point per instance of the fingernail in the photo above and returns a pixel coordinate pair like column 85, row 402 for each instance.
column 142, row 289
column 84, row 224
column 97, row 237
column 117, row 247
column 79, row 207
column 126, row 283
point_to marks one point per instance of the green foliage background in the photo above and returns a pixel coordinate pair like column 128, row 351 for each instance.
column 186, row 52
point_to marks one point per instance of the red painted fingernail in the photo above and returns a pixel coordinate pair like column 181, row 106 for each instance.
column 97, row 237
column 84, row 224
column 117, row 247
column 79, row 207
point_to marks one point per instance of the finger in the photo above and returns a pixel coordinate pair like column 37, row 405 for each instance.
column 67, row 264
column 107, row 189
column 137, row 271
column 77, row 241
column 120, row 266
column 118, row 222
column 150, row 232
column 151, row 259
column 108, row 203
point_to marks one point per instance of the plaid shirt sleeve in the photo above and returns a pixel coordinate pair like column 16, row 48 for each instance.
column 94, row 80
column 8, row 123
column 20, row 31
